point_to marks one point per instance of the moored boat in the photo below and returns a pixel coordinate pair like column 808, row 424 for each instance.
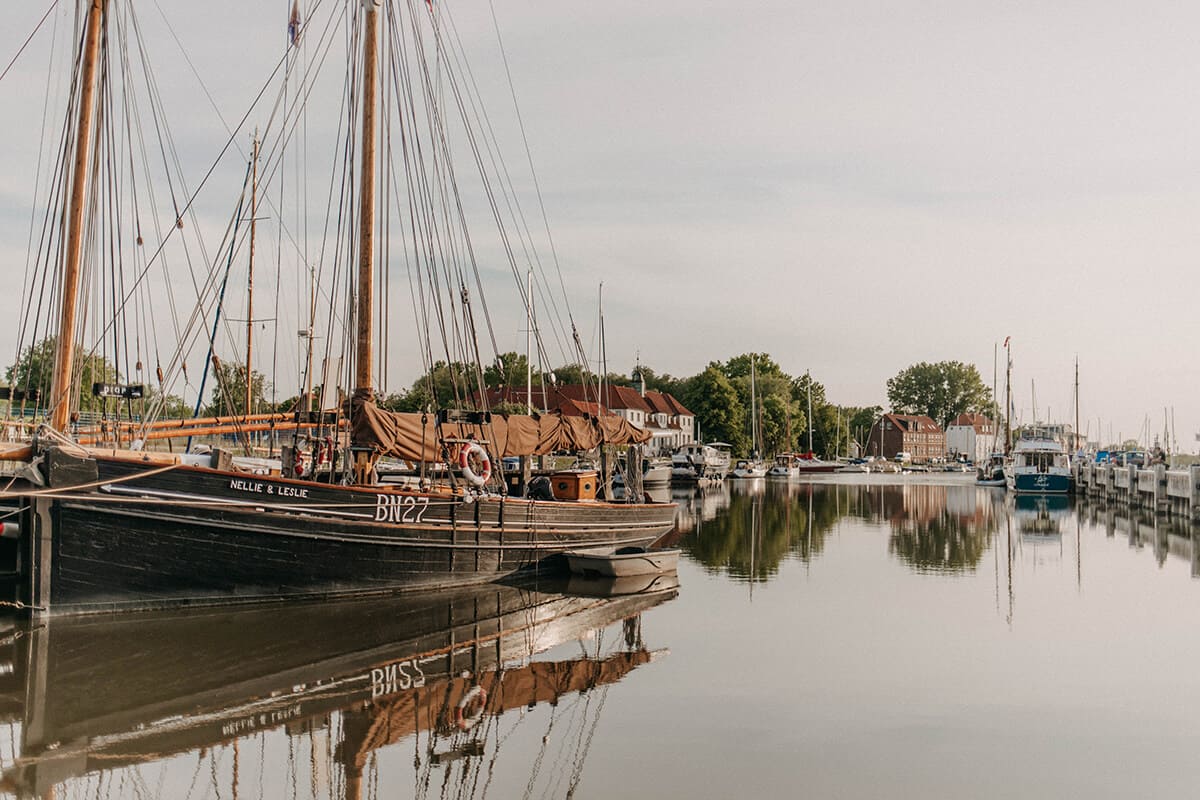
column 117, row 529
column 624, row 562
column 1038, row 465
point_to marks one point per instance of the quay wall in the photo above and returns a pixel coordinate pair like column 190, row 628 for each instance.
column 1171, row 492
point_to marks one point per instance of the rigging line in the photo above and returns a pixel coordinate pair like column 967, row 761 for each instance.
column 49, row 245
column 29, row 38
column 511, row 199
column 37, row 180
column 208, row 174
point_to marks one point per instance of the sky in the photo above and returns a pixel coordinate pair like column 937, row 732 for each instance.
column 849, row 187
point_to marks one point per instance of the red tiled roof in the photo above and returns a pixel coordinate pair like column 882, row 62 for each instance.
column 976, row 421
column 665, row 403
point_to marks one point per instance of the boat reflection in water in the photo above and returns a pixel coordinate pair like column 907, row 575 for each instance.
column 1041, row 516
column 99, row 696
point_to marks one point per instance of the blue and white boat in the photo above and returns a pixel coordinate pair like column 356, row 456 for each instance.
column 1039, row 465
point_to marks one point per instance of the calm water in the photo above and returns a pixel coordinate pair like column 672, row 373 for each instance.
column 899, row 637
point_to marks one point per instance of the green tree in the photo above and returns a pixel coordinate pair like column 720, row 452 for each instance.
column 859, row 422
column 940, row 391
column 35, row 367
column 718, row 409
column 509, row 370
column 229, row 390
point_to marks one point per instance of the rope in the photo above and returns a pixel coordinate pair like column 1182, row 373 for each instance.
column 61, row 491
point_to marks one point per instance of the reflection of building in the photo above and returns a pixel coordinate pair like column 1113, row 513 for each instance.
column 971, row 436
column 918, row 436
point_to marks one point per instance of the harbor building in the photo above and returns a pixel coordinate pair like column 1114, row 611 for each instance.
column 972, row 437
column 916, row 435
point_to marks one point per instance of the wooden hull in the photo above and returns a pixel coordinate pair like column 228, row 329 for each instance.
column 148, row 538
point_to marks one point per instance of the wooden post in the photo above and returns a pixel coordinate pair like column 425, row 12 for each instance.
column 64, row 359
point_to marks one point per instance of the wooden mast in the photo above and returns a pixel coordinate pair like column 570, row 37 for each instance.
column 363, row 389
column 366, row 229
column 246, row 409
column 64, row 359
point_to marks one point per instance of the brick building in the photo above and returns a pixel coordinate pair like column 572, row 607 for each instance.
column 919, row 436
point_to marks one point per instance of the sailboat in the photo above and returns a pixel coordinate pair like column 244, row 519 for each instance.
column 123, row 528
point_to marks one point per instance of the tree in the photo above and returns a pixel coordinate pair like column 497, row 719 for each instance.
column 940, row 391
column 511, row 369
column 718, row 409
column 35, row 368
column 859, row 422
column 229, row 390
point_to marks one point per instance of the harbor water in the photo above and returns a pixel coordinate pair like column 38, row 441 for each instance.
column 854, row 636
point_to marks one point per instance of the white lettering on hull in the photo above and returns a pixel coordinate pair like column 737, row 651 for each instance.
column 402, row 509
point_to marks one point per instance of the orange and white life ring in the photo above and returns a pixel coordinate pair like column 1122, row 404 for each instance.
column 470, row 708
column 485, row 463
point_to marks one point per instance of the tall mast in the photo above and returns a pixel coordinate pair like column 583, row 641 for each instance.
column 64, row 359
column 366, row 230
column 250, row 276
column 1077, row 446
column 808, row 378
column 753, row 413
column 1007, row 398
column 529, row 340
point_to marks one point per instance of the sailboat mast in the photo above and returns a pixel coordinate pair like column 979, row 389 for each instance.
column 246, row 409
column 1078, row 447
column 808, row 379
column 753, row 413
column 366, row 230
column 64, row 359
column 529, row 340
column 1007, row 399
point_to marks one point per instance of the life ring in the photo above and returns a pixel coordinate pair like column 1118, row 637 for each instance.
column 485, row 463
column 470, row 708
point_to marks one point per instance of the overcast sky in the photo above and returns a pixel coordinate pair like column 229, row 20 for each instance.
column 850, row 187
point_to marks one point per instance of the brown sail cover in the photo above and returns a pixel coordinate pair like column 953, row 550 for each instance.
column 406, row 436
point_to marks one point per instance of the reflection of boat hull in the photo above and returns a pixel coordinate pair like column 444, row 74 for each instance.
column 187, row 681
column 190, row 536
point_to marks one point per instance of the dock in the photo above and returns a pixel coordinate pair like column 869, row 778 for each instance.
column 1170, row 492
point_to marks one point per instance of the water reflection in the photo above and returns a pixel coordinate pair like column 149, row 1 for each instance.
column 746, row 530
column 91, row 697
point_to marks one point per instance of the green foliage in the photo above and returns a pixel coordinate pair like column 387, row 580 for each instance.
column 569, row 374
column 714, row 401
column 510, row 370
column 940, row 391
column 229, row 391
column 859, row 422
column 34, row 369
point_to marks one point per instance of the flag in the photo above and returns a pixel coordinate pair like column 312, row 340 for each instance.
column 430, row 4
column 294, row 23
column 1006, row 338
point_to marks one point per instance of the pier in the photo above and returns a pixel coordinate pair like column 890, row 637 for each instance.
column 1172, row 492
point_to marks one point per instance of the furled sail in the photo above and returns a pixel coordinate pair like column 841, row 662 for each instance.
column 419, row 437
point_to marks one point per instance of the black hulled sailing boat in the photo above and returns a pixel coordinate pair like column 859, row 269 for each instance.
column 130, row 529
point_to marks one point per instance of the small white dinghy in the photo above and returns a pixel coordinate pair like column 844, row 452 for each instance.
column 624, row 562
